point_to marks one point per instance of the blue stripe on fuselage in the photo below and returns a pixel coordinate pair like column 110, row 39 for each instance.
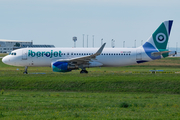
column 149, row 48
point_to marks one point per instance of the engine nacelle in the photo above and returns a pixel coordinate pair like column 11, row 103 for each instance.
column 62, row 67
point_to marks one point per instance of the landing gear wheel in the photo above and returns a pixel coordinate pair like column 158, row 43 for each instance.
column 83, row 71
column 25, row 72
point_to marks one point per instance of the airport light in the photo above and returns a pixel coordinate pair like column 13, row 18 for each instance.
column 83, row 40
column 87, row 41
column 123, row 44
column 176, row 48
column 93, row 40
column 101, row 41
column 141, row 42
column 113, row 43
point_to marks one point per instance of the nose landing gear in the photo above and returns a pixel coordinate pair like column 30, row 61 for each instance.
column 83, row 71
column 25, row 70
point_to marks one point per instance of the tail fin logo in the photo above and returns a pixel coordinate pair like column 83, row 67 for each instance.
column 160, row 37
column 158, row 40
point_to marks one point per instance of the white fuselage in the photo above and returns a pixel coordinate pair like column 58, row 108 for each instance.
column 45, row 56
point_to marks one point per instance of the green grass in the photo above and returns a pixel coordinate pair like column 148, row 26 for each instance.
column 3, row 54
column 79, row 105
column 129, row 92
column 92, row 82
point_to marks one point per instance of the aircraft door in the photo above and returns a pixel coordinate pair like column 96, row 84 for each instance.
column 24, row 54
column 138, row 54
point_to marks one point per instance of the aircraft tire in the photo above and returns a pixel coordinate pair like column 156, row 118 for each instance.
column 25, row 72
column 83, row 71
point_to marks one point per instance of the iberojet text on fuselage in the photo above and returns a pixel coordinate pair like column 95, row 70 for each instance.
column 44, row 53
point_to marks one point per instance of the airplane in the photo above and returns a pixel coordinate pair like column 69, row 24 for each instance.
column 68, row 59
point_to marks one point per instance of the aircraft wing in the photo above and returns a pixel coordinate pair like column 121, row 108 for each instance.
column 84, row 59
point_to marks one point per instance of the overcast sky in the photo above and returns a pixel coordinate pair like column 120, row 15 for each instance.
column 55, row 22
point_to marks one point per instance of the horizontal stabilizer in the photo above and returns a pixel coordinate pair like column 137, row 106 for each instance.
column 155, row 54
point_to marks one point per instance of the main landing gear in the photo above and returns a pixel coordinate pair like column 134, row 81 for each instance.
column 25, row 70
column 83, row 71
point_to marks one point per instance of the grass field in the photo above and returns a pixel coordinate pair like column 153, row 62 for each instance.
column 130, row 92
column 84, row 105
column 3, row 54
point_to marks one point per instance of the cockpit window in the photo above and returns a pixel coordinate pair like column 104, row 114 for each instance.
column 13, row 54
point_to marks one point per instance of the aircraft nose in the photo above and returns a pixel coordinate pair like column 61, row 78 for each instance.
column 5, row 60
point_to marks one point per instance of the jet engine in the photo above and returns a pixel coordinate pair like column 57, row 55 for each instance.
column 62, row 66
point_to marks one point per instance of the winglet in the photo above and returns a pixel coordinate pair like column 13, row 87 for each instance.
column 100, row 50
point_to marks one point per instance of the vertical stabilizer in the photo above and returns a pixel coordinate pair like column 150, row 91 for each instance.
column 159, row 39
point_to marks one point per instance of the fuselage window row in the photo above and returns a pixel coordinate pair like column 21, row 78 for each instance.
column 114, row 54
column 92, row 54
